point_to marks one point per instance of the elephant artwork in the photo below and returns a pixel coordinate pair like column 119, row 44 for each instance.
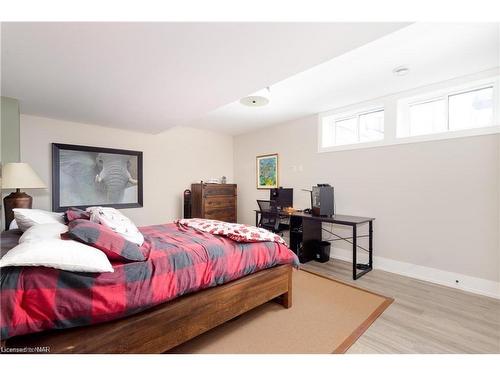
column 89, row 178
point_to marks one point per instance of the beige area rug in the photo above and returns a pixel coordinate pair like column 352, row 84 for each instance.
column 327, row 316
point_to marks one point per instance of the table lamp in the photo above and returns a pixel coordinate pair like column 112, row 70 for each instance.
column 18, row 176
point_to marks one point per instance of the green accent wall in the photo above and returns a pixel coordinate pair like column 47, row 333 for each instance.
column 10, row 130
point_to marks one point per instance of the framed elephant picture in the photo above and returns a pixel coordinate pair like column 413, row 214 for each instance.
column 84, row 176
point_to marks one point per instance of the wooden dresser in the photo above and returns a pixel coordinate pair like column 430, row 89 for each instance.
column 214, row 201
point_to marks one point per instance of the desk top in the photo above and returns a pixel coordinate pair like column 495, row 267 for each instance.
column 336, row 219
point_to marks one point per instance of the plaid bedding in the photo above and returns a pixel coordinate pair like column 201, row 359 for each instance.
column 180, row 260
column 110, row 243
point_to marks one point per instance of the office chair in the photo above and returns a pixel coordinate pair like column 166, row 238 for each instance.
column 270, row 217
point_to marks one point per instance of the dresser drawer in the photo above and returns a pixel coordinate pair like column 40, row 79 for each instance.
column 219, row 189
column 219, row 211
column 220, row 202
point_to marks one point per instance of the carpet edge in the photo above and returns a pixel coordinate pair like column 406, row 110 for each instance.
column 358, row 332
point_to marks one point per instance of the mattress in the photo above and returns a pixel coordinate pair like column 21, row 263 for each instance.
column 179, row 260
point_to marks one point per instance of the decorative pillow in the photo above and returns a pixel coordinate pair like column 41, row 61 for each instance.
column 112, row 244
column 40, row 232
column 236, row 232
column 27, row 217
column 75, row 213
column 117, row 222
column 64, row 255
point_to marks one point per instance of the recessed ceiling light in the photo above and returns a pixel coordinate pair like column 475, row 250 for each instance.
column 259, row 99
column 401, row 70
column 254, row 101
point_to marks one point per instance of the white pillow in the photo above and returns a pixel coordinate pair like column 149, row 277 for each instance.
column 13, row 225
column 27, row 217
column 117, row 222
column 66, row 255
column 40, row 232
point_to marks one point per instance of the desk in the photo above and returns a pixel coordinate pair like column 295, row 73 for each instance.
column 306, row 227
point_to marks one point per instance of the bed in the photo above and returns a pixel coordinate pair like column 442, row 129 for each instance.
column 191, row 282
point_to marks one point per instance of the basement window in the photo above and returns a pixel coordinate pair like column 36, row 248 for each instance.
column 455, row 110
column 436, row 112
column 352, row 128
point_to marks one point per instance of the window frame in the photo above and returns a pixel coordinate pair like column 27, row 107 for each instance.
column 404, row 105
column 393, row 106
column 336, row 116
column 494, row 108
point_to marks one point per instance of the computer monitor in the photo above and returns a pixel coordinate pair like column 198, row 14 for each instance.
column 281, row 197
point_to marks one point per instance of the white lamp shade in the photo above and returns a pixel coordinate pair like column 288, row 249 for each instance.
column 20, row 176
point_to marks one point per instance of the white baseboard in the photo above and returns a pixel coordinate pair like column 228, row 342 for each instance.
column 467, row 283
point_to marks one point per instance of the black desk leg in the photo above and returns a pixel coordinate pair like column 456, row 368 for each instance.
column 256, row 219
column 370, row 244
column 364, row 267
column 354, row 251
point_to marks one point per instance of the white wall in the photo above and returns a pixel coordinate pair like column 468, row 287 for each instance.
column 436, row 203
column 172, row 160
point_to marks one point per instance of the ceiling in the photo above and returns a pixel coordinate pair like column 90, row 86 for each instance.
column 152, row 76
column 434, row 52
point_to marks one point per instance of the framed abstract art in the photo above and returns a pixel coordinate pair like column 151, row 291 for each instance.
column 267, row 171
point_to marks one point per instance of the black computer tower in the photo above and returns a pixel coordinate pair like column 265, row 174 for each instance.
column 323, row 201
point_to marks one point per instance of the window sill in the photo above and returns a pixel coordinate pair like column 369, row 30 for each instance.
column 414, row 139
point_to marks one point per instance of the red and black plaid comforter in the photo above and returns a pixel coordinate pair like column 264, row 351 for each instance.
column 179, row 261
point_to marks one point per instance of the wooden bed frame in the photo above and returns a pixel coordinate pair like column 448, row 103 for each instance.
column 170, row 324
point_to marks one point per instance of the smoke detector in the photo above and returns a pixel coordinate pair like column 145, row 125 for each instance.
column 401, row 70
column 259, row 99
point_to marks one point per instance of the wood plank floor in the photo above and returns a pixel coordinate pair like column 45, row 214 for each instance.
column 424, row 318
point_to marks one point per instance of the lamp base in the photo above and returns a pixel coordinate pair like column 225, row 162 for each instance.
column 15, row 200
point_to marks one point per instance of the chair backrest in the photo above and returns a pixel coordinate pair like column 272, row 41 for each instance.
column 269, row 216
column 264, row 205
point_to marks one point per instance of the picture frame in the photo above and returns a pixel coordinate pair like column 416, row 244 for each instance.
column 267, row 171
column 85, row 176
